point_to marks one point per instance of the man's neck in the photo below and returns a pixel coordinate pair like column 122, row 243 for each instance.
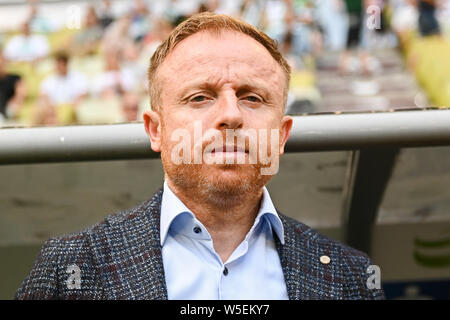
column 227, row 225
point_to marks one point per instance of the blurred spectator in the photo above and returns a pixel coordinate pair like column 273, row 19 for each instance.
column 12, row 91
column 44, row 115
column 139, row 20
column 106, row 15
column 348, row 63
column 377, row 36
column 26, row 46
column 89, row 38
column 113, row 80
column 116, row 36
column 252, row 11
column 294, row 60
column 428, row 24
column 274, row 19
column 38, row 23
column 130, row 107
column 135, row 66
column 331, row 15
column 404, row 17
column 66, row 88
column 154, row 38
column 209, row 6
column 175, row 11
column 355, row 15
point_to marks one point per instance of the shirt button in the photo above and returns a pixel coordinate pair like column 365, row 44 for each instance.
column 225, row 271
column 197, row 229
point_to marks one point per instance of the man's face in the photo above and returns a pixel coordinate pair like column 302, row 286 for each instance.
column 26, row 29
column 227, row 82
column 61, row 67
column 130, row 106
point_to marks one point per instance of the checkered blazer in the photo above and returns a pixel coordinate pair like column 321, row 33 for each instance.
column 120, row 258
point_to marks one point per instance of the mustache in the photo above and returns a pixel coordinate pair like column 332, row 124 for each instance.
column 226, row 148
column 217, row 140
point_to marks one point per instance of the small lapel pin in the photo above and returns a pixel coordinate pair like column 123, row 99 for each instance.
column 325, row 259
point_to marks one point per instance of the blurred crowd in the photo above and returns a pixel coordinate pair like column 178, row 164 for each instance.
column 96, row 71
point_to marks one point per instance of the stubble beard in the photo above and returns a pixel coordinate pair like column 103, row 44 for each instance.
column 221, row 186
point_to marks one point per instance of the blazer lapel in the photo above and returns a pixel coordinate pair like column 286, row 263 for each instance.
column 129, row 252
column 305, row 275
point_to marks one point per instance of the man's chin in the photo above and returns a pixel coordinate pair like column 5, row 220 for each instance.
column 216, row 180
column 227, row 181
column 233, row 179
column 232, row 172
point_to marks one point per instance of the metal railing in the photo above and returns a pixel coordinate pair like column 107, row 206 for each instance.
column 329, row 132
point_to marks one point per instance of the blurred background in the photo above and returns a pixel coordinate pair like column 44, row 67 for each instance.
column 85, row 62
column 67, row 62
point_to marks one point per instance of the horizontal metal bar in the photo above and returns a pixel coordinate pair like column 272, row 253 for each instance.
column 366, row 130
column 310, row 133
column 74, row 143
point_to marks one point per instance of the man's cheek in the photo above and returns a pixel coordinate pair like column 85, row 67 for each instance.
column 180, row 146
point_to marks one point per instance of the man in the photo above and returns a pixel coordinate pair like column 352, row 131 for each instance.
column 65, row 87
column 212, row 232
column 428, row 24
column 62, row 91
column 12, row 91
column 27, row 47
column 130, row 107
column 114, row 80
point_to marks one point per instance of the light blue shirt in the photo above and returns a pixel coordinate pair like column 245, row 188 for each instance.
column 194, row 270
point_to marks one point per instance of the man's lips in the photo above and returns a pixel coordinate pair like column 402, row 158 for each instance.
column 229, row 149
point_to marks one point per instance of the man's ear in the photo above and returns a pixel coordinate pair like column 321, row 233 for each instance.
column 152, row 122
column 285, row 131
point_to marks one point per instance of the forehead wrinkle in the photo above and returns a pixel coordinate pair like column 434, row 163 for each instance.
column 186, row 50
column 225, row 71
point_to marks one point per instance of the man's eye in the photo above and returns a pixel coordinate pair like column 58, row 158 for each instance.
column 252, row 99
column 198, row 99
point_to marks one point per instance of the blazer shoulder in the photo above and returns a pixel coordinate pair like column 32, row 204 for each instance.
column 63, row 256
column 58, row 259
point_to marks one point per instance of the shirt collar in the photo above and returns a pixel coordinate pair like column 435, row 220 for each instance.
column 172, row 208
column 268, row 210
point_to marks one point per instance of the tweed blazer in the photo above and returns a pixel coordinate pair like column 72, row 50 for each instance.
column 120, row 258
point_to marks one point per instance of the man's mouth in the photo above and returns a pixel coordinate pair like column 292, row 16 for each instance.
column 229, row 149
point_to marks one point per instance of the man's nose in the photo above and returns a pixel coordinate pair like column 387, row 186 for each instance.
column 229, row 114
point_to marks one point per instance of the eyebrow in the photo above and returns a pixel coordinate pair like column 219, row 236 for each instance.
column 211, row 86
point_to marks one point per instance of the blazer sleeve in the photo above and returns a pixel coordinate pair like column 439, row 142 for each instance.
column 357, row 276
column 53, row 271
column 42, row 281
